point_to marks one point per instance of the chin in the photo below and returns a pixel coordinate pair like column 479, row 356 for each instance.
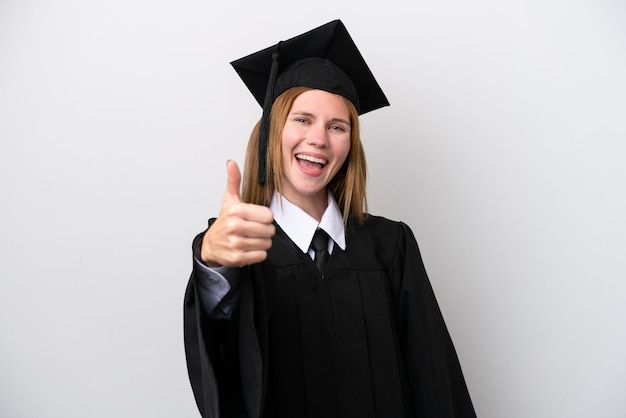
column 311, row 193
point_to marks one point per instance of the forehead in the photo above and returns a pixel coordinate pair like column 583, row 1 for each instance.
column 320, row 102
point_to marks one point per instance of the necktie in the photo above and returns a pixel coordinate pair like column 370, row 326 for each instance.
column 320, row 246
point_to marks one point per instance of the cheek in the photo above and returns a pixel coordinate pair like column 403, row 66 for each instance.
column 342, row 149
column 288, row 139
column 285, row 146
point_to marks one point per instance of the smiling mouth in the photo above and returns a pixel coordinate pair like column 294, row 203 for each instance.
column 310, row 161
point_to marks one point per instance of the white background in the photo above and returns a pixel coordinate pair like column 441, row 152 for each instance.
column 504, row 150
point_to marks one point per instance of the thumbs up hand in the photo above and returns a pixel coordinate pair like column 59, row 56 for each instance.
column 242, row 233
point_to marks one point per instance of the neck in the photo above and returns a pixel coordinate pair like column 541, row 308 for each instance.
column 314, row 206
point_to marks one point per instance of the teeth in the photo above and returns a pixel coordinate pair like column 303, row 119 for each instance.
column 310, row 158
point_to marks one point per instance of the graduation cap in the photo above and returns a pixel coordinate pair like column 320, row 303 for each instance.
column 324, row 58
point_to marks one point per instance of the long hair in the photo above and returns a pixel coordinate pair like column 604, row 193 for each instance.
column 349, row 184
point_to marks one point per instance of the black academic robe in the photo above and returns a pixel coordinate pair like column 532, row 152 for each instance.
column 364, row 339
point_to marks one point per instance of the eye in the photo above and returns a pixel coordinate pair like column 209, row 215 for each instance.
column 301, row 120
column 337, row 128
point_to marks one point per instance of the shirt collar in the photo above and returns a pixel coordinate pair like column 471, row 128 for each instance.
column 300, row 226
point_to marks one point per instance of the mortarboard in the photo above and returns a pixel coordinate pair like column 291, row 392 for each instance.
column 324, row 58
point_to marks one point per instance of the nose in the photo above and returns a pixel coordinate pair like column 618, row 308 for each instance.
column 318, row 136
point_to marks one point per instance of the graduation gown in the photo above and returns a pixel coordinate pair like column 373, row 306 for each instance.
column 364, row 339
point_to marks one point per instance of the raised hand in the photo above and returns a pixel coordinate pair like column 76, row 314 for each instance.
column 242, row 233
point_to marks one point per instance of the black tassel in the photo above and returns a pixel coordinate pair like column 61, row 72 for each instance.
column 265, row 119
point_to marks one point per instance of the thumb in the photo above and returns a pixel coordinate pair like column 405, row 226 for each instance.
column 233, row 182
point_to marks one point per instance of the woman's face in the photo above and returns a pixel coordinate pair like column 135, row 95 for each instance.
column 315, row 144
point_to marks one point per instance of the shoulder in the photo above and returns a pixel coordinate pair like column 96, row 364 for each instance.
column 379, row 227
column 382, row 239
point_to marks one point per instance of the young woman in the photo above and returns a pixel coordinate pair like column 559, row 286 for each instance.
column 276, row 326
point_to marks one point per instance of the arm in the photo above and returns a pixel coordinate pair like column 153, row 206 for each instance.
column 436, row 380
column 241, row 235
column 217, row 287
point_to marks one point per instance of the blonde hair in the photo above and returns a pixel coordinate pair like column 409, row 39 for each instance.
column 348, row 187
